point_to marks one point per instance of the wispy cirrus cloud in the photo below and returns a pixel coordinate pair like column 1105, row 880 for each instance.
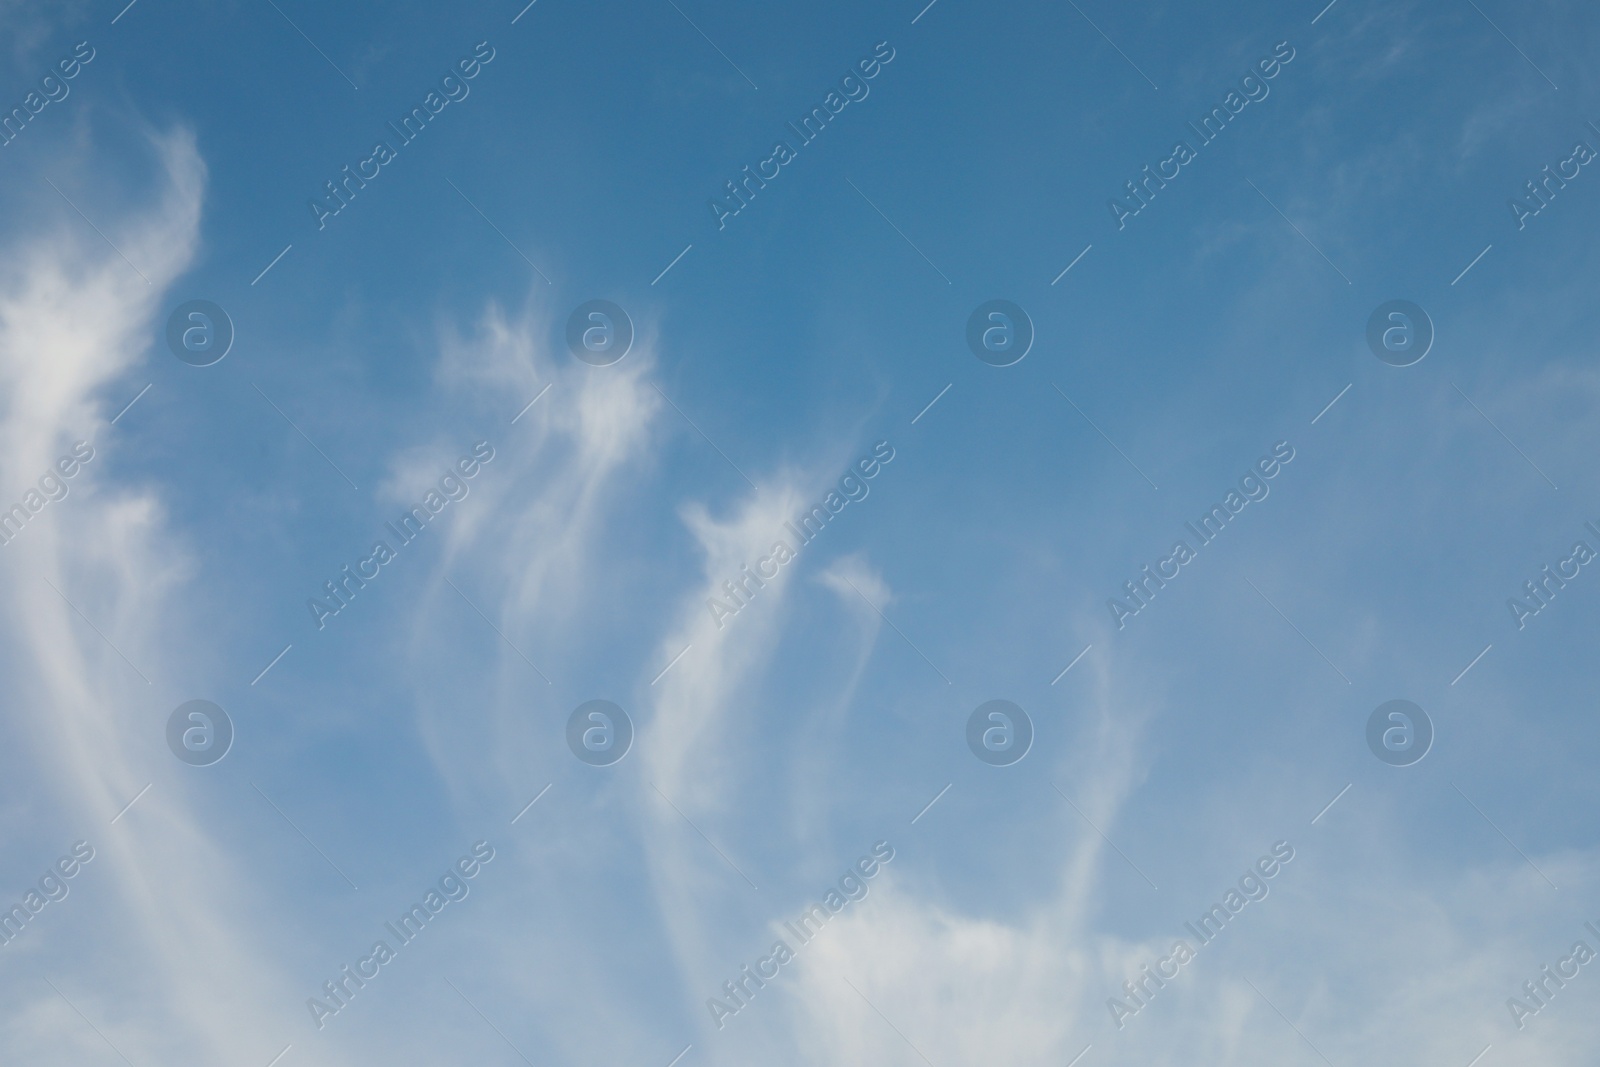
column 92, row 689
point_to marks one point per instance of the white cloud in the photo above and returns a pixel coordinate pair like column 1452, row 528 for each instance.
column 163, row 936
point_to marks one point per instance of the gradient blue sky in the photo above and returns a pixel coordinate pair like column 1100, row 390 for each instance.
column 823, row 718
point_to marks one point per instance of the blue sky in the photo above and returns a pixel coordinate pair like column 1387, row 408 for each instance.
column 428, row 317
